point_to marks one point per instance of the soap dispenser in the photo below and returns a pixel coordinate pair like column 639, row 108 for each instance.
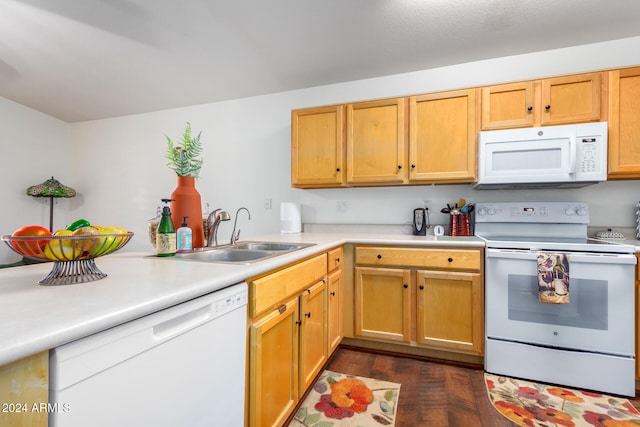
column 166, row 234
column 184, row 236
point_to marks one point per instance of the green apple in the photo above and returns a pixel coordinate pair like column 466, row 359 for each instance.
column 106, row 245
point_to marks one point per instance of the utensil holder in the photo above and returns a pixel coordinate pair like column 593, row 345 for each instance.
column 459, row 225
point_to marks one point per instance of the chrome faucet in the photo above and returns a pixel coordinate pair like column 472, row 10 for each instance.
column 213, row 222
column 235, row 236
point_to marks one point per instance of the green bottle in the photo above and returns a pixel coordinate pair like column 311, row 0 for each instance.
column 166, row 233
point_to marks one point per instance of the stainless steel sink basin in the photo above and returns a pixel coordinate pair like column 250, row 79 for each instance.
column 271, row 246
column 241, row 252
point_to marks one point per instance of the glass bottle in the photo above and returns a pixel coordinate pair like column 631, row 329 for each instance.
column 166, row 233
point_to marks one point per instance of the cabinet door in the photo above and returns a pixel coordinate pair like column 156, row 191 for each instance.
column 376, row 139
column 571, row 99
column 443, row 137
column 450, row 310
column 23, row 385
column 383, row 303
column 335, row 326
column 335, row 259
column 273, row 366
column 317, row 147
column 624, row 123
column 313, row 333
column 508, row 106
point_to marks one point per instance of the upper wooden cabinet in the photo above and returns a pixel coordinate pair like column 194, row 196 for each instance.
column 624, row 123
column 376, row 142
column 317, row 147
column 508, row 106
column 443, row 131
column 554, row 101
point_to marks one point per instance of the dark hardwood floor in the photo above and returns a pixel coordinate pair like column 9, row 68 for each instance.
column 432, row 394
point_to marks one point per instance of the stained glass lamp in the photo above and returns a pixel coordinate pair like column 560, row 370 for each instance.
column 51, row 188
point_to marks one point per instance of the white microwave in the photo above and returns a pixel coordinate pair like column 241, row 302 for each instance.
column 551, row 156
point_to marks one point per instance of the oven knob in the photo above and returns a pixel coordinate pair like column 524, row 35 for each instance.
column 491, row 211
column 569, row 211
column 581, row 211
column 482, row 211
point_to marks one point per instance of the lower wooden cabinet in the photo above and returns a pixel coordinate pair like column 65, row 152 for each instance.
column 335, row 299
column 426, row 297
column 273, row 371
column 313, row 333
column 24, row 388
column 383, row 303
column 450, row 310
column 295, row 316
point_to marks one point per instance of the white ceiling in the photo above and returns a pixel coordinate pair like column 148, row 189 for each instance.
column 89, row 59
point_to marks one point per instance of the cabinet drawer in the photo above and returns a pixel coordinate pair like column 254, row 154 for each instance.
column 455, row 259
column 335, row 259
column 268, row 291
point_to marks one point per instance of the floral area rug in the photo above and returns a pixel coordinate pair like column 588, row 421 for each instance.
column 345, row 400
column 530, row 404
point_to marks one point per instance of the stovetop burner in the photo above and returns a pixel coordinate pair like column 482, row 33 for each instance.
column 556, row 243
column 558, row 226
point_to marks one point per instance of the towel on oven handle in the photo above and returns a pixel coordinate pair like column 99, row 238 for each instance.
column 553, row 278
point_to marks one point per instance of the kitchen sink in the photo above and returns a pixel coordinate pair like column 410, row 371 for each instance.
column 271, row 246
column 240, row 252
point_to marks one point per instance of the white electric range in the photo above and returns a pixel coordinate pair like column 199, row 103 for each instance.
column 585, row 342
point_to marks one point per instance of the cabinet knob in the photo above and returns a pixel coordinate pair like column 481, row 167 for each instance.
column 547, row 107
column 421, row 287
column 529, row 108
column 308, row 315
column 337, row 259
column 337, row 169
column 379, row 256
column 450, row 259
column 298, row 322
column 399, row 167
column 405, row 286
column 413, row 166
column 333, row 294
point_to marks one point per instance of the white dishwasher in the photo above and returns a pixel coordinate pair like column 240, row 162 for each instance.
column 182, row 366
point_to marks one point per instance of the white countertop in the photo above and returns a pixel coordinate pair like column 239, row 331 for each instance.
column 35, row 318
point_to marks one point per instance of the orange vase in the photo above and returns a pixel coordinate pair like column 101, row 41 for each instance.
column 187, row 202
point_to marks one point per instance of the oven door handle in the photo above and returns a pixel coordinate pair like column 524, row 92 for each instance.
column 595, row 258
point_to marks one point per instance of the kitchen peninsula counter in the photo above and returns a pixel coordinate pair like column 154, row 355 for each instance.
column 35, row 318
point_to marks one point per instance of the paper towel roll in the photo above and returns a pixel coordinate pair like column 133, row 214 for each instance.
column 290, row 217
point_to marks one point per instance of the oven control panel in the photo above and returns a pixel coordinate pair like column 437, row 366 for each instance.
column 544, row 212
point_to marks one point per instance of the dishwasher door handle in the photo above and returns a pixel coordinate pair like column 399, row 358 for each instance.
column 182, row 323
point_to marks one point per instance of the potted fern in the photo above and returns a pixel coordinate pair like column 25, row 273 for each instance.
column 186, row 161
column 183, row 158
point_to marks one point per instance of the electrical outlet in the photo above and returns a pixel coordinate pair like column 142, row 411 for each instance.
column 267, row 204
column 342, row 207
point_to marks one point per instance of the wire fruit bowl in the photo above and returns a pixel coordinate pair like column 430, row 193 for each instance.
column 73, row 256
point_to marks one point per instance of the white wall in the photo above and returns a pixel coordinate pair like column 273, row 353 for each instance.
column 34, row 147
column 120, row 171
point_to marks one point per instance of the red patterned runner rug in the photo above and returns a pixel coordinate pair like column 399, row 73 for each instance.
column 346, row 400
column 530, row 404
